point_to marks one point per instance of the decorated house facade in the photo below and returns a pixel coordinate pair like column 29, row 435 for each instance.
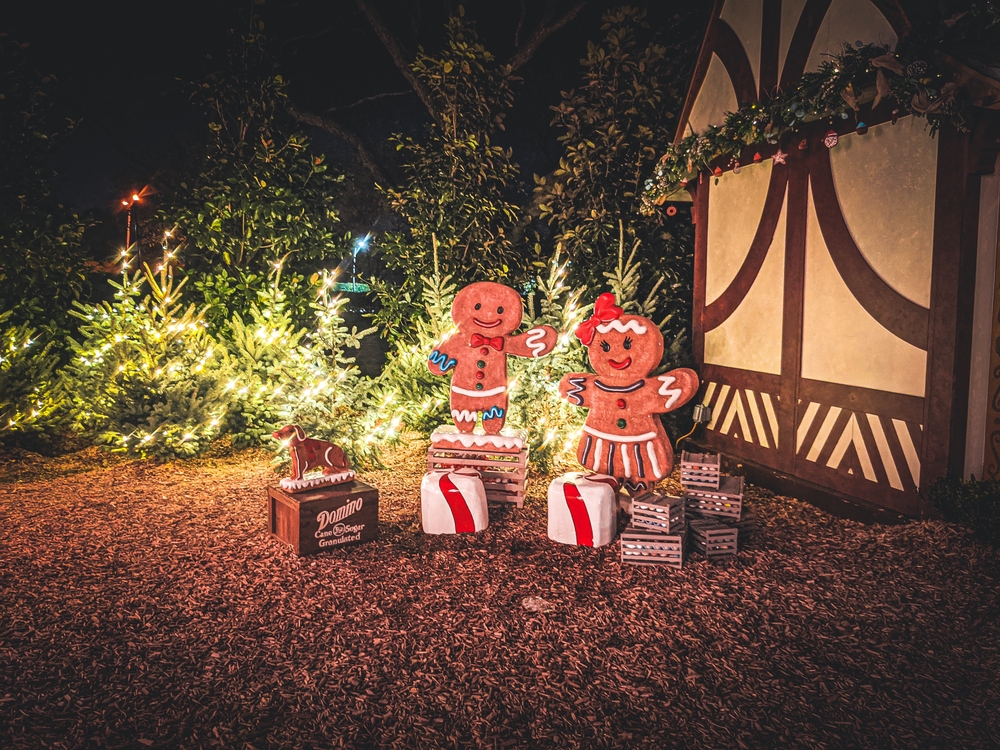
column 845, row 305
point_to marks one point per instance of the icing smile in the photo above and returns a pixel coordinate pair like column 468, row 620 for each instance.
column 620, row 365
column 481, row 324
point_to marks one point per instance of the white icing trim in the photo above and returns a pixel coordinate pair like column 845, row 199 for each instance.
column 620, row 438
column 468, row 440
column 597, row 453
column 534, row 341
column 673, row 393
column 652, row 460
column 300, row 484
column 625, row 462
column 617, row 325
column 479, row 394
column 463, row 415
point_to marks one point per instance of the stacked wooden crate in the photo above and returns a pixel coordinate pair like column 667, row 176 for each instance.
column 710, row 513
column 657, row 533
column 503, row 473
column 713, row 502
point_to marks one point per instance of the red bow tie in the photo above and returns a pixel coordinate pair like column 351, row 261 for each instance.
column 605, row 310
column 479, row 340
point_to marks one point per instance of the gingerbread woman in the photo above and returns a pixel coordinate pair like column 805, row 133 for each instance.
column 623, row 436
column 487, row 315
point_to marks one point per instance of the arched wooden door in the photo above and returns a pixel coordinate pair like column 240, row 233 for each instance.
column 827, row 301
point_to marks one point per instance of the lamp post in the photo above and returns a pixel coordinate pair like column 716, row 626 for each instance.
column 128, row 227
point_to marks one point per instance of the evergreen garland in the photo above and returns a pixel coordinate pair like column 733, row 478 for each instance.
column 866, row 72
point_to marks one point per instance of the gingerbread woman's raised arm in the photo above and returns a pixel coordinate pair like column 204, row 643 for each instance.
column 576, row 388
column 668, row 391
column 535, row 342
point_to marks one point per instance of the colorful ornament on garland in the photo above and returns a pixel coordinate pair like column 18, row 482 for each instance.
column 309, row 455
column 486, row 314
column 671, row 210
column 623, row 436
column 779, row 156
column 831, row 138
column 717, row 171
column 757, row 158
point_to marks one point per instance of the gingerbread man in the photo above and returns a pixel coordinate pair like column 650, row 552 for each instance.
column 486, row 315
column 623, row 436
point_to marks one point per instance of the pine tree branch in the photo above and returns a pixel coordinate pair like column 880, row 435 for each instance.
column 544, row 29
column 398, row 55
column 335, row 129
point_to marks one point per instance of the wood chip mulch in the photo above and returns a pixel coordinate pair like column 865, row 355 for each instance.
column 145, row 606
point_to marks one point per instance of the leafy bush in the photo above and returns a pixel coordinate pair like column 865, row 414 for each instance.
column 553, row 425
column 28, row 402
column 145, row 376
column 974, row 504
column 283, row 374
column 458, row 180
column 614, row 127
column 42, row 258
column 259, row 198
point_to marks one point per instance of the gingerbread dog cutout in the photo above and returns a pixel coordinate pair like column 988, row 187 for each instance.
column 622, row 436
column 487, row 315
column 310, row 453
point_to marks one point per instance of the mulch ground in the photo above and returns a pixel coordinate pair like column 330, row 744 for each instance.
column 144, row 605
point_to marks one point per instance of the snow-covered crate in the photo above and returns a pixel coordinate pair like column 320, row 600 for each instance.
column 700, row 470
column 713, row 538
column 727, row 501
column 662, row 513
column 645, row 547
column 503, row 474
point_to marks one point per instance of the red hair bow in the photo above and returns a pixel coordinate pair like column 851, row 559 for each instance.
column 605, row 310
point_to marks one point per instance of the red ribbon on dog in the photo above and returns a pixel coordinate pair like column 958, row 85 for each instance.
column 479, row 340
column 605, row 310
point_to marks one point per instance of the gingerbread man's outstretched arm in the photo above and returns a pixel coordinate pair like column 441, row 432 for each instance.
column 535, row 342
column 669, row 391
column 443, row 358
column 576, row 388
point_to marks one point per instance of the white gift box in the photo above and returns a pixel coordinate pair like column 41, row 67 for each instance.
column 453, row 501
column 583, row 509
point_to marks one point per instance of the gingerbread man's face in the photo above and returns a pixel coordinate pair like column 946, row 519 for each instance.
column 488, row 309
column 626, row 349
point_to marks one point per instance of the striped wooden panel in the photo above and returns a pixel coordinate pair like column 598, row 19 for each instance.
column 743, row 414
column 877, row 448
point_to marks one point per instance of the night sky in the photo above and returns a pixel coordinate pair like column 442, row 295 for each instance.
column 122, row 67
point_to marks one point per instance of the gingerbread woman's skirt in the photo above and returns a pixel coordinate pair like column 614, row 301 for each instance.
column 639, row 459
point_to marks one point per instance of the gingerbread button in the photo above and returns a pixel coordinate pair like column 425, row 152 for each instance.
column 480, row 364
column 479, row 386
column 621, row 424
column 480, row 375
column 621, row 403
column 484, row 350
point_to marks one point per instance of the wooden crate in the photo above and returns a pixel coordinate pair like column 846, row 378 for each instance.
column 503, row 474
column 746, row 526
column 330, row 517
column 645, row 547
column 727, row 501
column 701, row 470
column 662, row 513
column 713, row 538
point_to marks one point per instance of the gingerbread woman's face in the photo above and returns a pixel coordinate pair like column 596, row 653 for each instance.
column 488, row 309
column 626, row 349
